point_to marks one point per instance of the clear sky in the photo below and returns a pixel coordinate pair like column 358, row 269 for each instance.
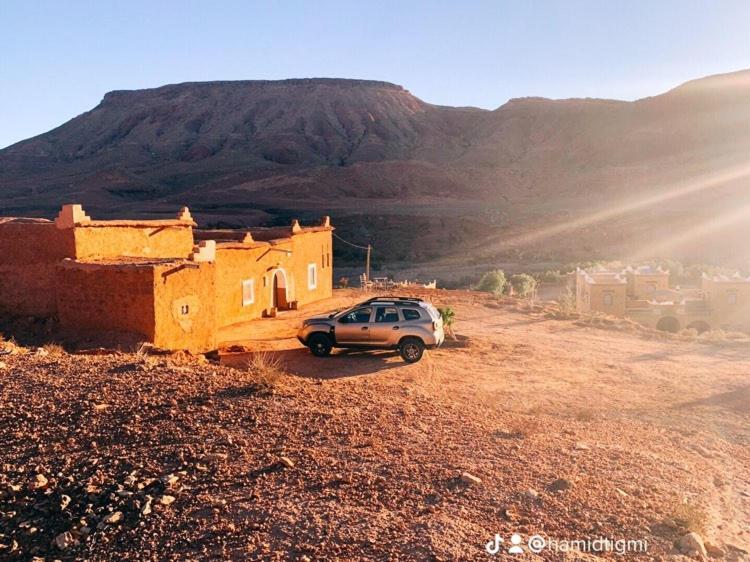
column 58, row 58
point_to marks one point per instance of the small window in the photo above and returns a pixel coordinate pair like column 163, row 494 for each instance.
column 608, row 299
column 312, row 276
column 410, row 314
column 732, row 297
column 386, row 314
column 248, row 292
column 359, row 316
column 328, row 258
column 185, row 309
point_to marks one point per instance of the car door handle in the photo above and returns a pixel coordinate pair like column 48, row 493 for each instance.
column 365, row 328
column 395, row 327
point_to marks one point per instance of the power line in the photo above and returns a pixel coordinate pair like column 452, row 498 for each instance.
column 347, row 242
column 367, row 248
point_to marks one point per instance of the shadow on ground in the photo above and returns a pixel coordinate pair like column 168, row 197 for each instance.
column 340, row 364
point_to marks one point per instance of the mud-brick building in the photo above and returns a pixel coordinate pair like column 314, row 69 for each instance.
column 164, row 281
column 643, row 294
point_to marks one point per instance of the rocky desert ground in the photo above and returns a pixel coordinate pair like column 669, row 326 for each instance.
column 528, row 424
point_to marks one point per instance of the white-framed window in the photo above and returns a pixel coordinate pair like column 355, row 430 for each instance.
column 608, row 299
column 312, row 276
column 248, row 292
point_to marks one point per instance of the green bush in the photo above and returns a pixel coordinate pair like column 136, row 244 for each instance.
column 448, row 315
column 523, row 284
column 493, row 282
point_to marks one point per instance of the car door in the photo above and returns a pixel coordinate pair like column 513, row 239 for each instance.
column 353, row 328
column 385, row 326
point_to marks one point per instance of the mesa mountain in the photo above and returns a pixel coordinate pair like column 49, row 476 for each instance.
column 534, row 180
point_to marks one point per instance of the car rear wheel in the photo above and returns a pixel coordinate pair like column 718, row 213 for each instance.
column 320, row 345
column 411, row 350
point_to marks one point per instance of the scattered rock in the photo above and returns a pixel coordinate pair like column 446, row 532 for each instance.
column 64, row 501
column 286, row 462
column 38, row 482
column 581, row 446
column 532, row 494
column 170, row 480
column 559, row 485
column 692, row 545
column 146, row 509
column 622, row 493
column 167, row 500
column 113, row 518
column 3, row 365
column 469, row 479
column 41, row 352
column 714, row 551
column 65, row 540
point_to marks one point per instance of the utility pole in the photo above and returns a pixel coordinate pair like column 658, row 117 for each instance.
column 367, row 268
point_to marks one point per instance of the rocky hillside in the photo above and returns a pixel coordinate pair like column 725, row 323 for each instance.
column 608, row 177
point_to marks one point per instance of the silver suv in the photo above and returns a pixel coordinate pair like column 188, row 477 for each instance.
column 407, row 324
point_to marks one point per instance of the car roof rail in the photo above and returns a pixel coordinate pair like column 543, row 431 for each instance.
column 394, row 299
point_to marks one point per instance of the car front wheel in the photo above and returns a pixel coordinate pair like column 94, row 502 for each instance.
column 320, row 345
column 411, row 350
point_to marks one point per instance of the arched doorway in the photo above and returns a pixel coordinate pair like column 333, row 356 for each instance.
column 699, row 326
column 668, row 324
column 278, row 286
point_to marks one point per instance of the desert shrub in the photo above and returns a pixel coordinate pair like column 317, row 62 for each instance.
column 493, row 282
column 690, row 516
column 449, row 316
column 54, row 349
column 266, row 367
column 689, row 333
column 585, row 415
column 550, row 276
column 344, row 282
column 714, row 336
column 566, row 303
column 523, row 284
column 523, row 427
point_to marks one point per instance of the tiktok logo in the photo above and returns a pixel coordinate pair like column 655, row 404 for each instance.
column 494, row 546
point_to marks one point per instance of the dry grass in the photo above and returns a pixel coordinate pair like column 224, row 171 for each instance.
column 523, row 427
column 267, row 367
column 54, row 349
column 690, row 516
column 585, row 415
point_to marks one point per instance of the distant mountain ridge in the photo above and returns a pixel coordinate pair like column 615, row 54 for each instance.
column 420, row 181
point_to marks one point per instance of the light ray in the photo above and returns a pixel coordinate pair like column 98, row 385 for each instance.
column 705, row 228
column 617, row 209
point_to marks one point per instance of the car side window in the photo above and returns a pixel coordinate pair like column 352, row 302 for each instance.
column 411, row 314
column 386, row 314
column 359, row 316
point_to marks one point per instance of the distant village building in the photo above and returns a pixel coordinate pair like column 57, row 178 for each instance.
column 162, row 280
column 643, row 294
